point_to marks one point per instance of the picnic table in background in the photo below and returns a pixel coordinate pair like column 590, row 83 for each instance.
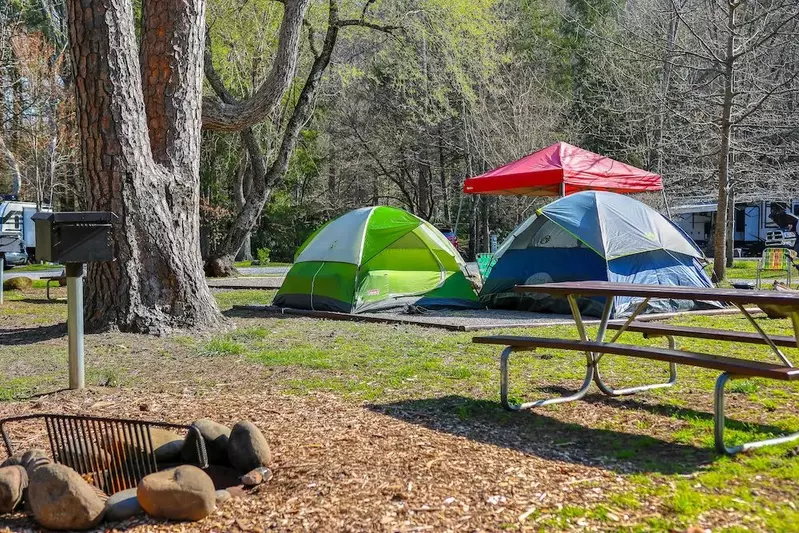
column 730, row 367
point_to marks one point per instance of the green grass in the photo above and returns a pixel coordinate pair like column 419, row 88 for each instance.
column 748, row 270
column 660, row 442
column 38, row 267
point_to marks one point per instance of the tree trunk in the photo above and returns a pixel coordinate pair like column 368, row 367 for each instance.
column 443, row 177
column 234, row 116
column 263, row 179
column 139, row 126
column 485, row 230
column 423, row 187
column 474, row 239
column 13, row 165
column 730, row 229
column 245, row 252
column 719, row 257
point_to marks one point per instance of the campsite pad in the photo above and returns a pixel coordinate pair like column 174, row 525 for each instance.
column 459, row 320
column 247, row 282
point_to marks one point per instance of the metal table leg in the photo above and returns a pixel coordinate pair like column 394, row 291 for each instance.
column 718, row 423
column 605, row 388
column 590, row 368
column 503, row 385
column 610, row 391
column 765, row 336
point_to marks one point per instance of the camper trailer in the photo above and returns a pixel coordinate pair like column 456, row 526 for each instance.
column 754, row 227
column 17, row 231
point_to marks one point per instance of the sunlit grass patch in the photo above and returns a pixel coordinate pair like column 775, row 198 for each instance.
column 223, row 346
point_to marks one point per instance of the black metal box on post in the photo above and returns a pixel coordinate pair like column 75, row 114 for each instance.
column 75, row 238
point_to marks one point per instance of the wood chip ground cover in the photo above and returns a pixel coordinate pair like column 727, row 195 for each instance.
column 386, row 428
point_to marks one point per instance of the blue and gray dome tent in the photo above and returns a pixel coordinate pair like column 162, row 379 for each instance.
column 594, row 236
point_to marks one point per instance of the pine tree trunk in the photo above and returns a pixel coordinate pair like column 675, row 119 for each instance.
column 140, row 139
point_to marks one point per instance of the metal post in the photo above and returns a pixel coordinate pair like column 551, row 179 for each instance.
column 2, row 281
column 74, row 272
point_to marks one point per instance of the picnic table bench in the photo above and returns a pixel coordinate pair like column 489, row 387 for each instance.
column 61, row 278
column 730, row 367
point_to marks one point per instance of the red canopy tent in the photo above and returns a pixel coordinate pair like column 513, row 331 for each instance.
column 560, row 170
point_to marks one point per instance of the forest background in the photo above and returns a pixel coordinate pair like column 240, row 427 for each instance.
column 421, row 94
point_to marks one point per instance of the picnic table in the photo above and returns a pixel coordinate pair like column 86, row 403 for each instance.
column 730, row 367
column 61, row 279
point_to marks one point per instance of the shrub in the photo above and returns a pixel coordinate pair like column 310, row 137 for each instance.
column 263, row 255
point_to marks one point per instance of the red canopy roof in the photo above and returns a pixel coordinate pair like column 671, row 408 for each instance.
column 543, row 173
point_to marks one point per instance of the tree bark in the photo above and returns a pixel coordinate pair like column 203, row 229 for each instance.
column 139, row 124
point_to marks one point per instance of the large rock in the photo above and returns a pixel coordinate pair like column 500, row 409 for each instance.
column 61, row 499
column 14, row 460
column 13, row 482
column 182, row 493
column 33, row 459
column 166, row 444
column 84, row 457
column 247, row 447
column 215, row 436
column 20, row 283
column 122, row 505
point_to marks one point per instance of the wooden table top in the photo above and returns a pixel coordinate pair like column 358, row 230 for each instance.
column 785, row 299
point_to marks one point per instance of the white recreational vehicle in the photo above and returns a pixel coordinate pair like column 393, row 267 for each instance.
column 753, row 226
column 17, row 233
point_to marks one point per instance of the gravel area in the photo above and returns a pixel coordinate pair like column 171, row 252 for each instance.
column 462, row 320
column 268, row 282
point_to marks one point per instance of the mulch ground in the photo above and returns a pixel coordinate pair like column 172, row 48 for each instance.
column 344, row 467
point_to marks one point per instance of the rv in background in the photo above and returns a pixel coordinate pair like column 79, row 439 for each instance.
column 753, row 225
column 17, row 231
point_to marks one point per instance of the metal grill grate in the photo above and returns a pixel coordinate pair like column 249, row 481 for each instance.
column 112, row 453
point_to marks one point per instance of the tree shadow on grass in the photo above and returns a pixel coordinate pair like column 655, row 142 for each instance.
column 24, row 336
column 39, row 301
column 535, row 433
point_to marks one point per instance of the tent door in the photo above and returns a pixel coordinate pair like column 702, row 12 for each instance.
column 374, row 288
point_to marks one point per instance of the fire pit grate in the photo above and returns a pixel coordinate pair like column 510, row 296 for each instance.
column 112, row 453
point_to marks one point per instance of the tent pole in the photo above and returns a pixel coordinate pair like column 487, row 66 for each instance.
column 562, row 190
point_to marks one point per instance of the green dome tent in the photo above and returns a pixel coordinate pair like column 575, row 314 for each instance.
column 376, row 258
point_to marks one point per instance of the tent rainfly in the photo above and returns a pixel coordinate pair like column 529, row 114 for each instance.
column 375, row 258
column 560, row 170
column 595, row 235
